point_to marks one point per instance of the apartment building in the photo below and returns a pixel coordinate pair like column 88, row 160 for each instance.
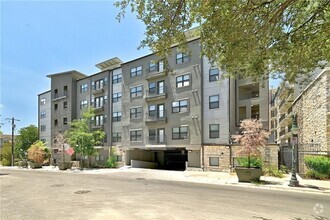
column 44, row 118
column 174, row 115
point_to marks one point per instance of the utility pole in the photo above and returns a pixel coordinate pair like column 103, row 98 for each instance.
column 12, row 138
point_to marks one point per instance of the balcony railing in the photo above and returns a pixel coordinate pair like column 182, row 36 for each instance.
column 61, row 95
column 282, row 118
column 156, row 139
column 97, row 127
column 157, row 93
column 157, row 116
column 155, row 71
column 98, row 90
column 98, row 108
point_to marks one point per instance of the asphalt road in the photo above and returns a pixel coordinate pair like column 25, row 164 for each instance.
column 56, row 195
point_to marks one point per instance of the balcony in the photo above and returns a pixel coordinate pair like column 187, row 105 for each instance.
column 97, row 127
column 286, row 103
column 157, row 71
column 156, row 94
column 98, row 108
column 159, row 117
column 97, row 91
column 58, row 96
column 156, row 140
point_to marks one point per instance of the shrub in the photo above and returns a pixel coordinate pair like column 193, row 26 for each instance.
column 5, row 162
column 318, row 167
column 37, row 153
column 284, row 169
column 254, row 162
column 273, row 171
column 112, row 161
column 6, row 154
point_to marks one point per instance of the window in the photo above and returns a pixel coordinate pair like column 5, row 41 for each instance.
column 181, row 58
column 55, row 122
column 214, row 101
column 136, row 112
column 136, row 135
column 43, row 114
column 43, row 127
column 98, row 102
column 83, row 88
column 116, row 136
column 214, row 130
column 136, row 71
column 116, row 97
column 179, row 133
column 65, row 104
column 152, row 110
column 152, row 66
column 214, row 161
column 98, row 121
column 152, row 88
column 65, row 121
column 116, row 78
column 98, row 84
column 42, row 101
column 116, row 116
column 182, row 81
column 213, row 75
column 136, row 91
column 83, row 104
column 180, row 106
column 55, row 106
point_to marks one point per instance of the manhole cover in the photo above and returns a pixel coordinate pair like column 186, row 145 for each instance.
column 140, row 178
column 82, row 191
column 57, row 185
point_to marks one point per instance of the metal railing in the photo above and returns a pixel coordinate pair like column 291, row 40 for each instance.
column 156, row 139
column 160, row 91
column 156, row 116
column 60, row 95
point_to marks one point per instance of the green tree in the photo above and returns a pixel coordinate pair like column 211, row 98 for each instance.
column 82, row 137
column 26, row 137
column 6, row 154
column 246, row 38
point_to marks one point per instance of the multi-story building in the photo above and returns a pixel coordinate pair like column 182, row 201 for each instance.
column 44, row 116
column 167, row 113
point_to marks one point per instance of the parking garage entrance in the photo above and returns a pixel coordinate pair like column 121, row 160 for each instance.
column 175, row 159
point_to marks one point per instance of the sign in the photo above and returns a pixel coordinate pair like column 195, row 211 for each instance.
column 70, row 151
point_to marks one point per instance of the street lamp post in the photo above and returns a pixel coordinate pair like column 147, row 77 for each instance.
column 294, row 129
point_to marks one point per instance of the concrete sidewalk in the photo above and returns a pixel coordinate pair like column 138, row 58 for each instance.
column 218, row 178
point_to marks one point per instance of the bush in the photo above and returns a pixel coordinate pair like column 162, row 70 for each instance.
column 5, row 162
column 37, row 152
column 6, row 154
column 273, row 171
column 284, row 169
column 112, row 161
column 254, row 162
column 318, row 167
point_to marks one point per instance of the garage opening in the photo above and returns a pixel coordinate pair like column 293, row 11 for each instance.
column 175, row 159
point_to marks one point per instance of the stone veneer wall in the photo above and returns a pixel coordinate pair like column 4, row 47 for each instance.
column 313, row 113
column 227, row 154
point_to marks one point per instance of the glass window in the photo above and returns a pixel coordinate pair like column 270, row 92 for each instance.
column 152, row 110
column 65, row 121
column 136, row 71
column 116, row 78
column 116, row 136
column 116, row 97
column 83, row 88
column 83, row 104
column 42, row 101
column 136, row 91
column 116, row 116
column 43, row 127
column 55, row 122
column 98, row 102
column 214, row 101
column 55, row 106
column 179, row 133
column 98, row 120
column 136, row 135
column 214, row 161
column 213, row 75
column 181, row 58
column 136, row 112
column 182, row 81
column 43, row 114
column 65, row 104
column 98, row 84
column 180, row 106
column 152, row 88
column 214, row 130
column 152, row 66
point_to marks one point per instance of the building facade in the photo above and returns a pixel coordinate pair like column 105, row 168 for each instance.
column 160, row 113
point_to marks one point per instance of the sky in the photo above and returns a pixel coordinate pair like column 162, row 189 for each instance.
column 45, row 37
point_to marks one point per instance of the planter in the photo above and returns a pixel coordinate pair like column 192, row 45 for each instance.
column 35, row 165
column 64, row 166
column 245, row 174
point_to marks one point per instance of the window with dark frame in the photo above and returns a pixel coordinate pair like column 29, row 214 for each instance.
column 136, row 71
column 43, row 114
column 136, row 113
column 214, row 161
column 116, row 116
column 136, row 135
column 152, row 110
column 182, row 81
column 136, row 91
column 98, row 102
column 83, row 88
column 117, row 78
column 214, row 130
column 83, row 104
column 55, row 106
column 55, row 122
column 116, row 97
column 98, row 120
column 43, row 127
column 116, row 136
column 214, row 101
column 65, row 121
column 98, row 84
column 180, row 133
column 43, row 101
column 152, row 134
column 65, row 104
column 180, row 106
column 213, row 74
column 181, row 58
column 152, row 88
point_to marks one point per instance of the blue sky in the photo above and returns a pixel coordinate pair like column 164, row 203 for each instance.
column 44, row 37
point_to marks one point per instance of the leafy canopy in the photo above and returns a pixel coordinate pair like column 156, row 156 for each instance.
column 247, row 38
column 26, row 137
